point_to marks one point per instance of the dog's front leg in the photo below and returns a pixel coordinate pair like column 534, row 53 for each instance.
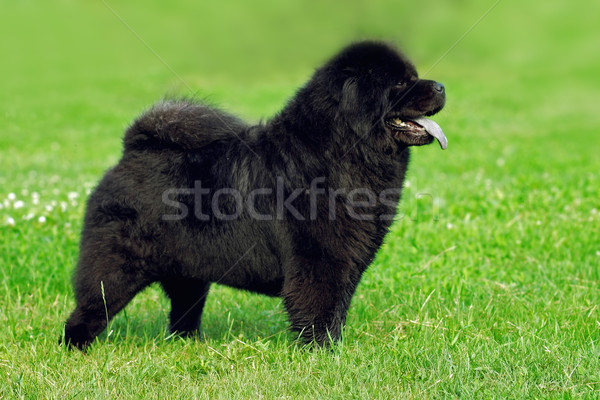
column 317, row 296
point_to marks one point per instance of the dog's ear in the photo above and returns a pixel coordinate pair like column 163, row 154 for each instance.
column 349, row 100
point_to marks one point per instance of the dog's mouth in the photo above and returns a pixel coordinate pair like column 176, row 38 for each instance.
column 417, row 131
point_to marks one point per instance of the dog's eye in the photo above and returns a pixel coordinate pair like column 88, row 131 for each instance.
column 401, row 84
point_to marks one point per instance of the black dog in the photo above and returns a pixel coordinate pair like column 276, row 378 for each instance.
column 296, row 207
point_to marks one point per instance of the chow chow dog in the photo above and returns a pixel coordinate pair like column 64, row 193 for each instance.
column 295, row 207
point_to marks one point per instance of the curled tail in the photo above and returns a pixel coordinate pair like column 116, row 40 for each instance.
column 181, row 124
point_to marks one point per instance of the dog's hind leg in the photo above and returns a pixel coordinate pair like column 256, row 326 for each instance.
column 187, row 296
column 103, row 286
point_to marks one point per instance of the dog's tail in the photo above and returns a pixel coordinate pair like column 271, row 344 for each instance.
column 181, row 124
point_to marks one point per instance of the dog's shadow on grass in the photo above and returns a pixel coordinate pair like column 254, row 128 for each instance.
column 228, row 315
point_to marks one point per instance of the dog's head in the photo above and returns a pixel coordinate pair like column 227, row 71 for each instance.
column 381, row 96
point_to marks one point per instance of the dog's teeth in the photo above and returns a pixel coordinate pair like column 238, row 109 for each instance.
column 398, row 121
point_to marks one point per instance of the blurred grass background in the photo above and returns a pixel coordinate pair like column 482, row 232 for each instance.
column 490, row 291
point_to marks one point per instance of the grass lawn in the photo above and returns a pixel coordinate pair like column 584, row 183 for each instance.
column 488, row 285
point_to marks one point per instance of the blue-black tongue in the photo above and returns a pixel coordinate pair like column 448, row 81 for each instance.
column 434, row 130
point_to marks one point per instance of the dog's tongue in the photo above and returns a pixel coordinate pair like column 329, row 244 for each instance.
column 434, row 130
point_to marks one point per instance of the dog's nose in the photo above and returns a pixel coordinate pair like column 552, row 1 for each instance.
column 438, row 87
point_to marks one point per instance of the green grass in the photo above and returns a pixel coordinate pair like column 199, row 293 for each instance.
column 490, row 290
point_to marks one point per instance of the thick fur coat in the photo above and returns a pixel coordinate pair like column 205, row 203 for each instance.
column 296, row 207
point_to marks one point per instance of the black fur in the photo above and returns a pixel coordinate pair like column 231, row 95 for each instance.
column 332, row 129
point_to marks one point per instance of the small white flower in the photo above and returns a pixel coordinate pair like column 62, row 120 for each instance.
column 449, row 225
column 500, row 162
column 406, row 183
column 36, row 201
column 28, row 217
column 598, row 253
column 34, row 195
column 42, row 219
column 72, row 195
column 63, row 206
column 12, row 196
column 49, row 207
column 10, row 221
column 19, row 204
